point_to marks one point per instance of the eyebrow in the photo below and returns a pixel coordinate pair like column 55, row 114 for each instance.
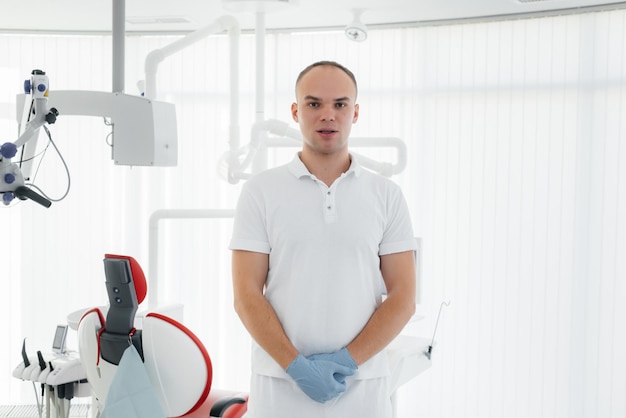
column 317, row 99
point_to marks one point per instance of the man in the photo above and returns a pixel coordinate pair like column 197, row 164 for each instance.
column 313, row 243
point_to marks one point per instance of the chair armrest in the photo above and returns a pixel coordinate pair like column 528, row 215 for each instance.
column 220, row 406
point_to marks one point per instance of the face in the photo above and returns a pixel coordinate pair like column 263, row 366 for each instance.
column 325, row 109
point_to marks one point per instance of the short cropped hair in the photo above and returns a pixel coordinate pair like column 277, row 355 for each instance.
column 332, row 64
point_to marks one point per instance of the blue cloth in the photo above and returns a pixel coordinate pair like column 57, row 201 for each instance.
column 131, row 394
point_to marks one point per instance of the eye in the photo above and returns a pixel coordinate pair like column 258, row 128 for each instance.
column 340, row 105
column 313, row 104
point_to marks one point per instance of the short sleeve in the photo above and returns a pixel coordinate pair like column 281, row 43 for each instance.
column 398, row 235
column 249, row 231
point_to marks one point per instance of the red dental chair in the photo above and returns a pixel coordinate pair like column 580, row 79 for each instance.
column 176, row 361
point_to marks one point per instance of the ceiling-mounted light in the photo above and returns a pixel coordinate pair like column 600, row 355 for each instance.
column 356, row 30
column 256, row 5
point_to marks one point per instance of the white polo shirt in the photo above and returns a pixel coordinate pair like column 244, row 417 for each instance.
column 324, row 243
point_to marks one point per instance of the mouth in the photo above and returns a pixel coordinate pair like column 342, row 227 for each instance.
column 326, row 131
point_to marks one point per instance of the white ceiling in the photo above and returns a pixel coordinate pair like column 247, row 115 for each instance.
column 188, row 15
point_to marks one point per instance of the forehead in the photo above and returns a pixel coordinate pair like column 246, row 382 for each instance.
column 326, row 81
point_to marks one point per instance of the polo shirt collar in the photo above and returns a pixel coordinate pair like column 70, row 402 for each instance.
column 299, row 170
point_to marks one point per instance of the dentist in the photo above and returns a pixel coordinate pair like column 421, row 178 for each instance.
column 315, row 245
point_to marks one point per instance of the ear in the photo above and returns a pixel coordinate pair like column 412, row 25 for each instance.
column 294, row 112
column 356, row 113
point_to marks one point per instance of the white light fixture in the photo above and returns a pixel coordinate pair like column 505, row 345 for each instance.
column 257, row 5
column 157, row 20
column 356, row 30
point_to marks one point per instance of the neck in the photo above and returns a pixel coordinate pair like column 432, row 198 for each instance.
column 326, row 167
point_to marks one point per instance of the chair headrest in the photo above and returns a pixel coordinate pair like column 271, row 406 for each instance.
column 139, row 279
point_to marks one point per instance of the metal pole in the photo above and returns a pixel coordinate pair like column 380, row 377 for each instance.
column 119, row 35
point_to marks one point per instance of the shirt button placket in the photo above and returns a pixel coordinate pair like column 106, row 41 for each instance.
column 330, row 205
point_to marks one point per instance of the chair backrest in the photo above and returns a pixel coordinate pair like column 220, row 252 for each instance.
column 179, row 364
column 176, row 361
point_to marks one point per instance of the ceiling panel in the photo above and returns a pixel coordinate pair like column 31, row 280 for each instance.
column 188, row 15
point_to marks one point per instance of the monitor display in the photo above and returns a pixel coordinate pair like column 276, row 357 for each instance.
column 58, row 344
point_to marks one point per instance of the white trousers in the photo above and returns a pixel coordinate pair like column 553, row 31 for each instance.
column 272, row 397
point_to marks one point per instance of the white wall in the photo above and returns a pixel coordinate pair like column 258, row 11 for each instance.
column 515, row 182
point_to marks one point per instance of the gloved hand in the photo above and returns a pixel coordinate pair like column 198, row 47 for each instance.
column 317, row 378
column 341, row 357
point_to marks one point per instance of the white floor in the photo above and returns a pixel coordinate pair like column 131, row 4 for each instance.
column 77, row 410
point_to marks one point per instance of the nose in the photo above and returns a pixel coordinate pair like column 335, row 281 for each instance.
column 328, row 115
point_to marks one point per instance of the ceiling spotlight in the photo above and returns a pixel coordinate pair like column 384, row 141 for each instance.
column 356, row 30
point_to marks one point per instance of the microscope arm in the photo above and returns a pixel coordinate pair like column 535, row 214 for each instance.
column 144, row 131
column 11, row 177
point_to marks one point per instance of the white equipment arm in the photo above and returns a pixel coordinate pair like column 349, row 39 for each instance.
column 11, row 177
column 144, row 130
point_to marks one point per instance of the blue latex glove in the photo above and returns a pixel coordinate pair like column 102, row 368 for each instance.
column 317, row 378
column 341, row 357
